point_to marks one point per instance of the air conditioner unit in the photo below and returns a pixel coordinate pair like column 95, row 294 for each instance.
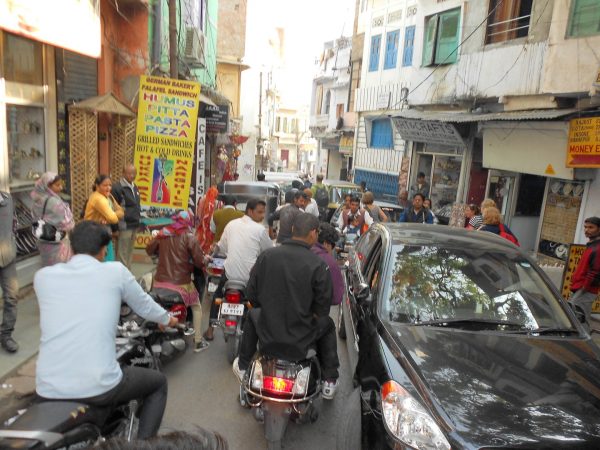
column 194, row 48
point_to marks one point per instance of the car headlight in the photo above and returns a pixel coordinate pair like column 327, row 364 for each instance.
column 408, row 421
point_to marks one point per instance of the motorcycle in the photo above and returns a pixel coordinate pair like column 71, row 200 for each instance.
column 232, row 312
column 160, row 346
column 214, row 271
column 278, row 391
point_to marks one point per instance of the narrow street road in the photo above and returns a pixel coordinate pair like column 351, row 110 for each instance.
column 203, row 392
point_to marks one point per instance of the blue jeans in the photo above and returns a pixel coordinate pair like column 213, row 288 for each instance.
column 10, row 290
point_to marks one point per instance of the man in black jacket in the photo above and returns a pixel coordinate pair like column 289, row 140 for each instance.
column 291, row 289
column 128, row 196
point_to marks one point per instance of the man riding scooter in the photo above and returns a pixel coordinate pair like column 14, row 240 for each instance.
column 242, row 241
column 291, row 289
column 79, row 311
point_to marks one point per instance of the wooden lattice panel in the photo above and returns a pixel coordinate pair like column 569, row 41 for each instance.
column 83, row 147
column 122, row 144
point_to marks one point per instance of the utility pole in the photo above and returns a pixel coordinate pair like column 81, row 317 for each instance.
column 259, row 144
column 173, row 69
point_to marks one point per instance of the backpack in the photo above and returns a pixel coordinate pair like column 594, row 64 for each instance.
column 503, row 233
column 322, row 197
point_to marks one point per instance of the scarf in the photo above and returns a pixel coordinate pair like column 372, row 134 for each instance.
column 58, row 213
column 183, row 222
column 204, row 212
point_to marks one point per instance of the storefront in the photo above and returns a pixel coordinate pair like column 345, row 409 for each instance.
column 30, row 134
column 440, row 152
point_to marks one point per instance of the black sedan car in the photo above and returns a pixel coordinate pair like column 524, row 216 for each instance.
column 457, row 340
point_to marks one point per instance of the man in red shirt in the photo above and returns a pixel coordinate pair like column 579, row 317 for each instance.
column 585, row 282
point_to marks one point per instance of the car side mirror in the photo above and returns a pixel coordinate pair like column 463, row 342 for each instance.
column 363, row 292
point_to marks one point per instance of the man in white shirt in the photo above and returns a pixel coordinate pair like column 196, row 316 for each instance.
column 311, row 206
column 242, row 241
column 80, row 303
column 355, row 212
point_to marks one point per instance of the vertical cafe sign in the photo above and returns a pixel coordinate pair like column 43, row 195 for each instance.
column 165, row 140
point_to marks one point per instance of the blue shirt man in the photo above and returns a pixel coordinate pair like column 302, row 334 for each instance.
column 80, row 303
column 417, row 214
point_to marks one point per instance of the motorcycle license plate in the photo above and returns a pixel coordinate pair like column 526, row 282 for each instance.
column 212, row 287
column 232, row 309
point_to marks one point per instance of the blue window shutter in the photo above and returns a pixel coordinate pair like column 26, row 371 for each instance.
column 409, row 43
column 381, row 134
column 391, row 49
column 374, row 58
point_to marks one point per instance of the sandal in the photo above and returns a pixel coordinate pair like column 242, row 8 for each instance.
column 208, row 338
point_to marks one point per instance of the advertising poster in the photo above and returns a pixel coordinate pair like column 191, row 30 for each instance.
column 165, row 140
column 584, row 143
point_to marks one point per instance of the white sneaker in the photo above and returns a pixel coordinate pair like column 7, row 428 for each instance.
column 236, row 369
column 329, row 388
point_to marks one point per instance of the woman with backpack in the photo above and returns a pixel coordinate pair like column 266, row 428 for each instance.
column 492, row 222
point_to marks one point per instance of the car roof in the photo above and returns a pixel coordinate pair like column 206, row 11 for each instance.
column 426, row 234
column 341, row 183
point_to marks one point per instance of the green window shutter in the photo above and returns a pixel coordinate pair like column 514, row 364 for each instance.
column 585, row 18
column 429, row 45
column 448, row 34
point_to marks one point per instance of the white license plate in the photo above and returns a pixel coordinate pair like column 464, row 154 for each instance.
column 232, row 309
column 212, row 287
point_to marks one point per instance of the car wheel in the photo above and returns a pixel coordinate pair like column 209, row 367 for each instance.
column 341, row 324
column 349, row 427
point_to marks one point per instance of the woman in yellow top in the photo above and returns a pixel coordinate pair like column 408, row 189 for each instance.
column 103, row 208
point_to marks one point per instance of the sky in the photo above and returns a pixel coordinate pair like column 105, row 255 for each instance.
column 308, row 24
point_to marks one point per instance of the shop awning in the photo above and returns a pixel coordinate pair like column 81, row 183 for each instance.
column 466, row 116
column 106, row 103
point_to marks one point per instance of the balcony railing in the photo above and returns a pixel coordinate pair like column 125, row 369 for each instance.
column 508, row 29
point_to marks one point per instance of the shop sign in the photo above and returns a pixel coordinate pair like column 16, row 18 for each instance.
column 69, row 24
column 346, row 145
column 217, row 117
column 383, row 100
column 200, row 155
column 165, row 140
column 584, row 143
column 428, row 131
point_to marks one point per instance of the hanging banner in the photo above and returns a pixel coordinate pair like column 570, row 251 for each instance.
column 165, row 140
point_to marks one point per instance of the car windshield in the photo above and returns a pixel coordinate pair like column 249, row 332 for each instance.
column 337, row 193
column 436, row 285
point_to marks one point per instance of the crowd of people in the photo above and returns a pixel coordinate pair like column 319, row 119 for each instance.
column 291, row 275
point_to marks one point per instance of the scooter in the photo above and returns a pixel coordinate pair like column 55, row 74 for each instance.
column 232, row 313
column 278, row 391
column 214, row 271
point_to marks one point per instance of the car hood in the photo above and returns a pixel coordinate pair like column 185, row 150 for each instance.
column 498, row 390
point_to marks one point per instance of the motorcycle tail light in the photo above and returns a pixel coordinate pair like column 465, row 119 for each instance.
column 230, row 323
column 301, row 383
column 179, row 311
column 233, row 296
column 215, row 271
column 278, row 385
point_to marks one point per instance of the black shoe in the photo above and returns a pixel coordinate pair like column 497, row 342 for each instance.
column 9, row 344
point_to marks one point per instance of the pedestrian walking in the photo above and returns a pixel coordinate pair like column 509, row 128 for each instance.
column 178, row 254
column 53, row 210
column 473, row 213
column 321, row 195
column 311, row 204
column 421, row 186
column 492, row 222
column 417, row 213
column 374, row 211
column 323, row 248
column 585, row 282
column 127, row 195
column 102, row 208
column 286, row 217
column 8, row 273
